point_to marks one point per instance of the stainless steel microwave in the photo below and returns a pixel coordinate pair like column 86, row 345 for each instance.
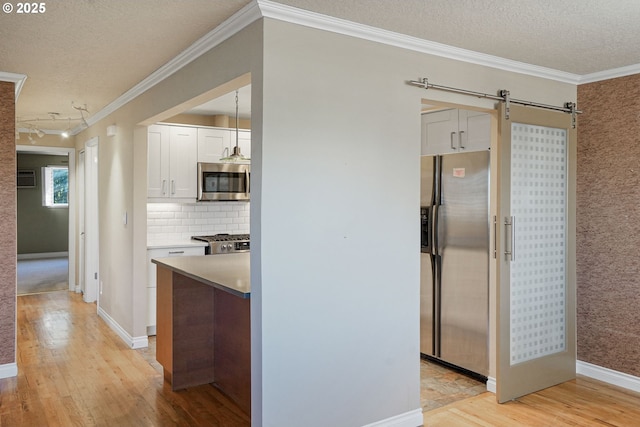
column 223, row 181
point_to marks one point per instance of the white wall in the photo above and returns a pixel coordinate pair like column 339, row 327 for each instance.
column 340, row 155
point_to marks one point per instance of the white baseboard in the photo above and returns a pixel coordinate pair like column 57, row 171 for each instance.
column 606, row 375
column 609, row 376
column 44, row 255
column 408, row 419
column 78, row 289
column 151, row 330
column 491, row 385
column 8, row 370
column 132, row 342
column 140, row 342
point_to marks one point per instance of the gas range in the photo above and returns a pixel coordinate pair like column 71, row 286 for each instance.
column 225, row 243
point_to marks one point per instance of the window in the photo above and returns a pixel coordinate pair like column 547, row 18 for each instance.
column 55, row 186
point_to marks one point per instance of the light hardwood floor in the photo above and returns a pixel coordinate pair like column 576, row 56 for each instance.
column 581, row 402
column 74, row 371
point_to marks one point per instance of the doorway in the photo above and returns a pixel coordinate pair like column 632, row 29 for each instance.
column 46, row 219
column 456, row 183
column 532, row 296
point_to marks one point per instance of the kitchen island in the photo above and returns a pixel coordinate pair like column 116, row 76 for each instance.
column 203, row 323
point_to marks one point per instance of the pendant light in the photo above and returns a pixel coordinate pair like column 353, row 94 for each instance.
column 236, row 156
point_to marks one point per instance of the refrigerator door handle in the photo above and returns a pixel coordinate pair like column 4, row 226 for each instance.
column 434, row 231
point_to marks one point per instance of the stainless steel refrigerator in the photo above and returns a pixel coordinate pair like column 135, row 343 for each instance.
column 454, row 288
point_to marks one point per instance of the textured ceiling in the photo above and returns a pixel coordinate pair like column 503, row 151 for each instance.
column 575, row 36
column 89, row 52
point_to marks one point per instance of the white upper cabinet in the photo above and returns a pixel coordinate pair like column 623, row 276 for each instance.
column 455, row 131
column 172, row 156
column 214, row 144
column 157, row 161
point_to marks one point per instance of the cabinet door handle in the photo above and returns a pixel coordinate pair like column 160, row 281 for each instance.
column 164, row 186
column 453, row 147
column 173, row 187
column 462, row 147
column 175, row 252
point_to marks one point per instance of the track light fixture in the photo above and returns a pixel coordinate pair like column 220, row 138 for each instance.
column 38, row 123
column 82, row 111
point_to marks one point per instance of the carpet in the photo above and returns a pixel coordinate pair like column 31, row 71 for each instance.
column 43, row 275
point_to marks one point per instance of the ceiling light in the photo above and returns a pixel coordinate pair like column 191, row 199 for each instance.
column 237, row 155
column 65, row 134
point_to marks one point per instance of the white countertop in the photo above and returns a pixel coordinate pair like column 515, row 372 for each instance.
column 160, row 244
column 228, row 272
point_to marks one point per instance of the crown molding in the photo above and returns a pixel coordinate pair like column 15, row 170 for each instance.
column 610, row 74
column 222, row 32
column 17, row 79
column 306, row 18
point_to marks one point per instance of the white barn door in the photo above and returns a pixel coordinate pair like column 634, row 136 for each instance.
column 537, row 285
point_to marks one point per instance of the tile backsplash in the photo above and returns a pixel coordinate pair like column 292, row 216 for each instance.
column 167, row 222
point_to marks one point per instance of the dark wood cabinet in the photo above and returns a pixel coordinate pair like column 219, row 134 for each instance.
column 203, row 336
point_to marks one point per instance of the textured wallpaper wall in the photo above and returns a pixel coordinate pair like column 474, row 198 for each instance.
column 608, row 222
column 7, row 224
